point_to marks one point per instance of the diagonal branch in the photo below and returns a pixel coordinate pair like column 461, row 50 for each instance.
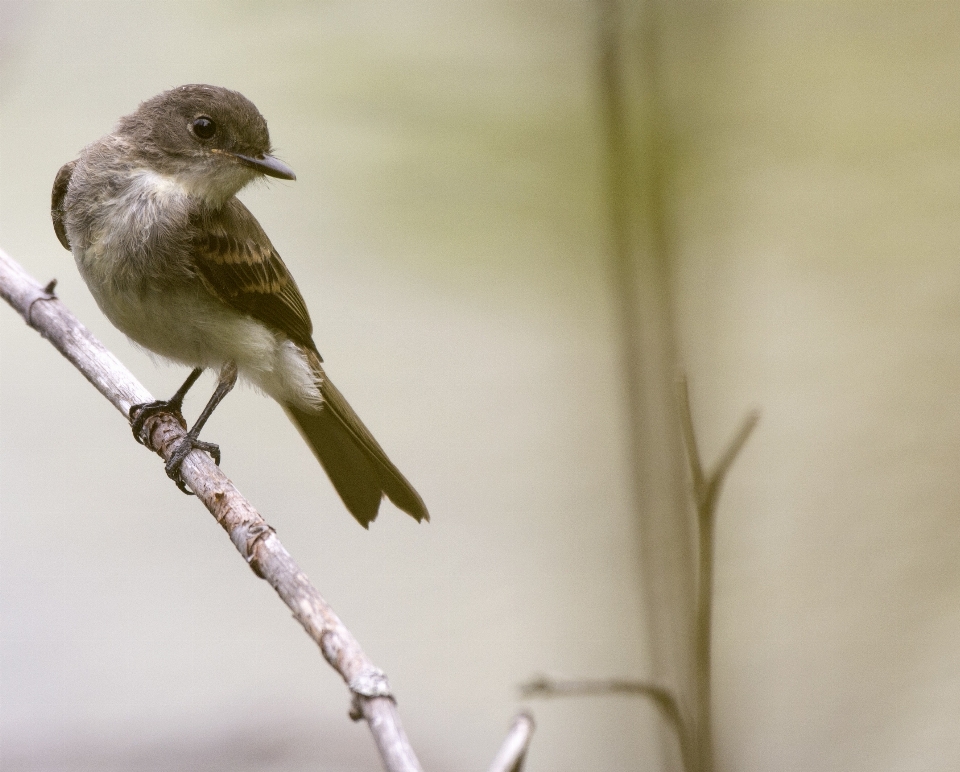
column 254, row 539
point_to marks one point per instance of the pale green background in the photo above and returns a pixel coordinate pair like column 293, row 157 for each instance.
column 449, row 234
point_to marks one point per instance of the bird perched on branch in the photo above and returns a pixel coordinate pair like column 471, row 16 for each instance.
column 178, row 264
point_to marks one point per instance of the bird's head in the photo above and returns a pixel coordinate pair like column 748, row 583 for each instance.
column 211, row 140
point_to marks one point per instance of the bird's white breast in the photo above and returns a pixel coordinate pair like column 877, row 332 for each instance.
column 137, row 271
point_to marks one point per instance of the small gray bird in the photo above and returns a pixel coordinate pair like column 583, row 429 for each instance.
column 178, row 264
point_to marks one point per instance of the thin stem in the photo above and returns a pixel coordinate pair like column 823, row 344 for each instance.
column 690, row 441
column 704, row 635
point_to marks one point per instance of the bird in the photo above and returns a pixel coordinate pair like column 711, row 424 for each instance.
column 177, row 263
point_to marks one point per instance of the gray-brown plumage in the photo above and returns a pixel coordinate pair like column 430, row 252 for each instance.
column 181, row 266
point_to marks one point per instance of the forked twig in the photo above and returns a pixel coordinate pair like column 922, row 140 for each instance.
column 706, row 491
column 706, row 487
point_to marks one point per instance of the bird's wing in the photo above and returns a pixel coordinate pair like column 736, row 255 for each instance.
column 60, row 185
column 239, row 265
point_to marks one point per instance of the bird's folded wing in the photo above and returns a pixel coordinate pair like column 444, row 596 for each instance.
column 59, row 193
column 237, row 262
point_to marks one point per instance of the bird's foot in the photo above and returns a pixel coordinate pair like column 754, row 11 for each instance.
column 141, row 412
column 181, row 450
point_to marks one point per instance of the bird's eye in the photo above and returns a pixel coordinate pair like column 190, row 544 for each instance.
column 204, row 127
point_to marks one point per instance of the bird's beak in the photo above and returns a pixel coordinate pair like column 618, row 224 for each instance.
column 267, row 164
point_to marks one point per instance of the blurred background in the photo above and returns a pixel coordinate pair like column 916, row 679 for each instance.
column 783, row 183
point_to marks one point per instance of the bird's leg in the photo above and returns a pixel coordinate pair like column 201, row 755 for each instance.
column 228, row 378
column 141, row 412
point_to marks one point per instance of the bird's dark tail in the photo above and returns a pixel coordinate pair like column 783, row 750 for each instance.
column 356, row 464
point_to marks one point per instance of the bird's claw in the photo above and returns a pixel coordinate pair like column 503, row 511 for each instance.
column 141, row 412
column 181, row 450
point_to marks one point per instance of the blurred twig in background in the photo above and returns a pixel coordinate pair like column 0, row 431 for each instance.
column 706, row 491
column 676, row 550
column 544, row 686
column 694, row 732
column 638, row 138
column 254, row 539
